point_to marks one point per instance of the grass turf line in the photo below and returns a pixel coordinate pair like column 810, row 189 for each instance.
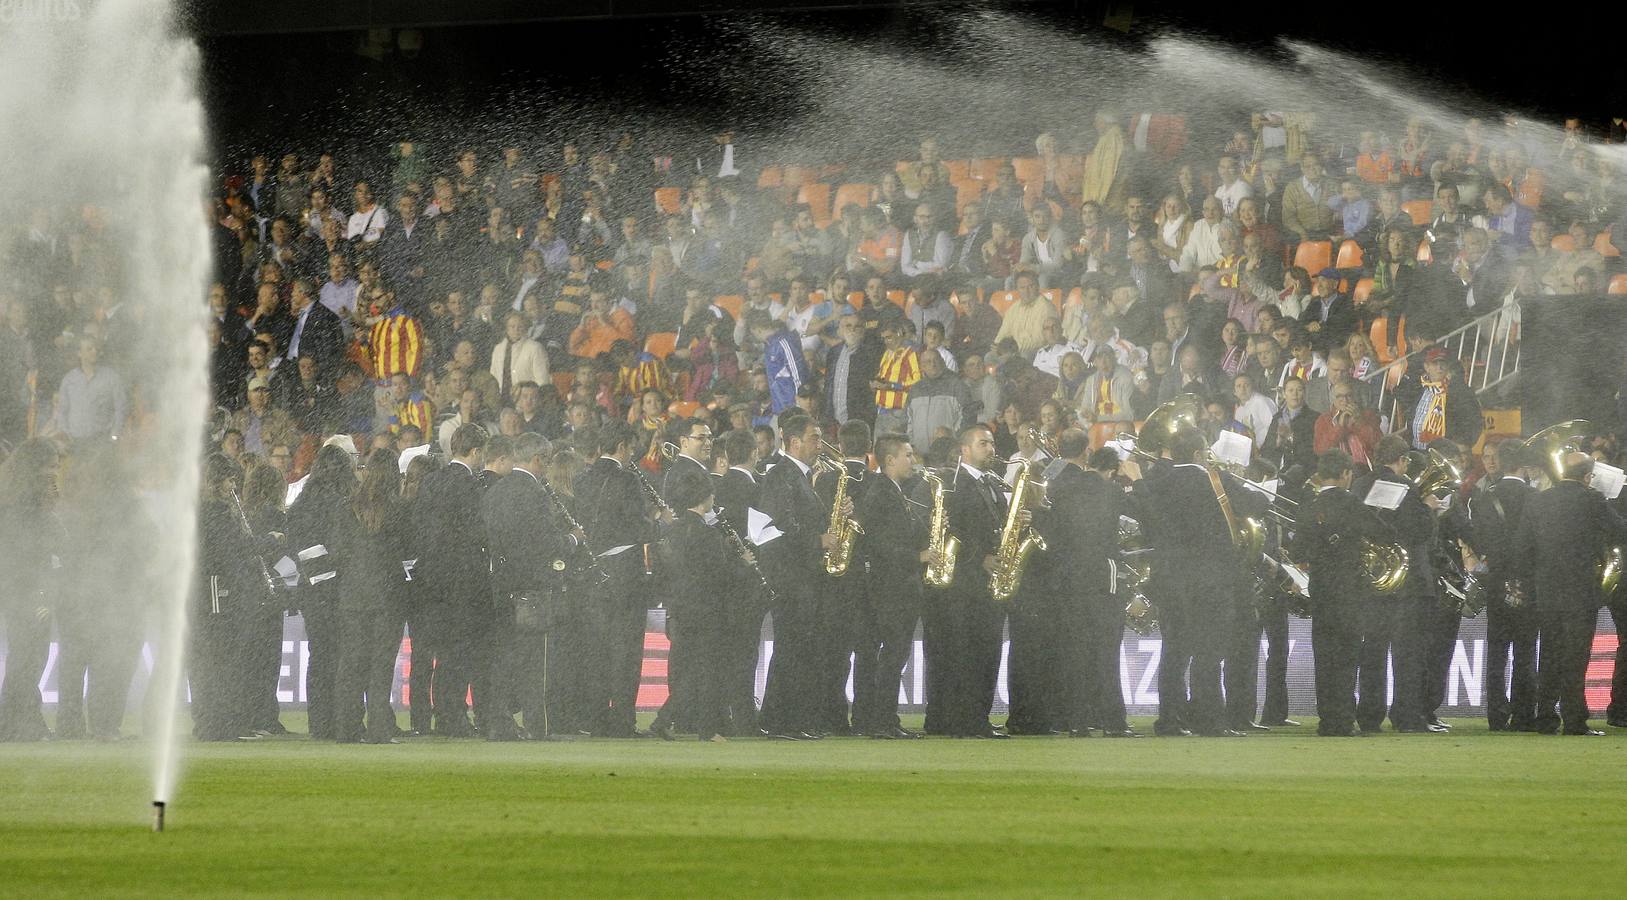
column 1282, row 814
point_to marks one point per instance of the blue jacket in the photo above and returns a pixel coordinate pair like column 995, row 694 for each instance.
column 787, row 370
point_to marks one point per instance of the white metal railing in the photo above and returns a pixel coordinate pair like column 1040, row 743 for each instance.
column 1487, row 348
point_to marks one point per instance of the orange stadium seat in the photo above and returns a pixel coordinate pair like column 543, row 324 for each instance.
column 1618, row 283
column 1364, row 288
column 1420, row 210
column 1603, row 246
column 1564, row 243
column 1002, row 301
column 857, row 194
column 669, row 200
column 563, row 381
column 771, row 177
column 797, row 176
column 1426, row 252
column 897, row 298
column 1055, row 296
column 661, row 344
column 855, row 299
column 967, row 190
column 817, row 196
column 985, row 168
column 958, row 168
column 731, row 304
column 1030, row 170
column 683, row 409
column 1350, row 256
column 1313, row 256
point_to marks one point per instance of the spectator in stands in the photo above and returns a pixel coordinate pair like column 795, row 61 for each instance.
column 811, row 319
column 602, row 325
column 1108, row 395
column 317, row 333
column 1445, row 406
column 1004, row 201
column 937, row 401
column 468, row 411
column 1306, row 212
column 1374, row 164
column 1108, row 168
column 1156, row 284
column 929, row 303
column 1233, row 189
column 977, row 327
column 1188, row 377
column 1478, row 283
column 1049, row 357
column 1329, row 316
column 338, row 293
column 517, row 358
column 1348, row 426
column 1046, row 251
column 92, row 401
column 262, row 425
column 984, row 389
column 366, row 225
column 783, row 361
column 715, row 360
column 1449, row 217
column 538, row 409
column 966, row 265
column 877, row 250
column 1354, row 209
column 1203, row 246
column 1140, row 321
column 408, row 406
column 757, row 299
column 1000, row 254
column 1507, row 221
column 1025, row 320
column 1560, row 277
column 1234, row 354
column 927, row 249
column 1253, row 409
column 898, row 371
column 1304, row 362
column 850, row 367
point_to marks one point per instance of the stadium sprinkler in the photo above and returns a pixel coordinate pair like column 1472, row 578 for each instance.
column 158, row 815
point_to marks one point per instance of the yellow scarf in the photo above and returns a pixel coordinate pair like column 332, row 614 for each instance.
column 1434, row 424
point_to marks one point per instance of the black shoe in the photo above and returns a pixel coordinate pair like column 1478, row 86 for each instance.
column 810, row 736
column 1223, row 732
column 1586, row 732
column 787, row 735
column 1283, row 723
column 1121, row 733
column 904, row 734
column 878, row 735
column 1435, row 721
column 1255, row 726
column 1171, row 732
column 990, row 734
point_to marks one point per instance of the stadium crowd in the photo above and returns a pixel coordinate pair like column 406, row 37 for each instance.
column 565, row 295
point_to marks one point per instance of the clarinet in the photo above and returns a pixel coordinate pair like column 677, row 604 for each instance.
column 248, row 532
column 650, row 491
column 600, row 576
column 735, row 542
column 738, row 545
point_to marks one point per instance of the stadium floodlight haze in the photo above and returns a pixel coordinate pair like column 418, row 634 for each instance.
column 800, row 452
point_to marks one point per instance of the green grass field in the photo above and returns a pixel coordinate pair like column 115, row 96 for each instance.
column 1278, row 814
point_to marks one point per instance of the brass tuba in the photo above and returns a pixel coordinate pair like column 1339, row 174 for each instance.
column 1551, row 445
column 1384, row 565
column 1610, row 571
column 1017, row 541
column 1432, row 473
column 942, row 547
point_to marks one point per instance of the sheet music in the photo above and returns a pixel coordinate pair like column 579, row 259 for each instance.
column 294, row 491
column 1385, row 495
column 1608, row 480
column 312, row 552
column 760, row 528
column 1233, row 448
column 287, row 570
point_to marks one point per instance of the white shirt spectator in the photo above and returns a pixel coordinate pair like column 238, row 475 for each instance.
column 1232, row 194
column 926, row 260
column 1202, row 246
column 369, row 226
column 1257, row 413
column 1049, row 359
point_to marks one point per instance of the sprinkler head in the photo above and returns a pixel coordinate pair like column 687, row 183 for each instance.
column 158, row 815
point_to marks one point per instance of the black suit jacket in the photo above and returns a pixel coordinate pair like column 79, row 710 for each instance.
column 789, row 499
column 1563, row 534
column 322, row 338
column 736, row 492
column 1182, row 521
column 675, row 469
column 1294, row 445
column 614, row 507
column 1412, row 525
column 1327, row 537
column 861, row 370
column 452, row 534
column 523, row 534
column 1081, row 530
column 1341, row 322
column 976, row 515
column 895, row 533
column 1495, row 513
column 701, row 556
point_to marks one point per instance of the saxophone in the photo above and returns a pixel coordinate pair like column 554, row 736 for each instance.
column 1016, row 541
column 844, row 527
column 943, row 546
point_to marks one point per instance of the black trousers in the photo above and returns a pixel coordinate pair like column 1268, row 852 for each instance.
column 465, row 672
column 936, row 633
column 620, row 660
column 969, row 648
column 1034, row 673
column 28, row 647
column 322, row 634
column 369, row 641
column 572, row 683
column 1511, row 632
column 1093, row 632
column 1440, row 640
column 1241, row 671
column 839, row 613
column 421, row 629
column 530, row 669
column 1409, row 642
column 788, row 697
column 1195, row 614
column 216, row 676
column 744, row 628
column 265, row 663
column 1342, row 613
column 1274, row 622
column 700, row 698
column 1567, row 644
column 886, row 640
column 1379, row 620
column 1617, row 710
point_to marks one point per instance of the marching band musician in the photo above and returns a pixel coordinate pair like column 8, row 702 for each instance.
column 894, row 544
column 793, row 562
column 1198, row 576
column 619, row 520
column 1495, row 513
column 964, row 666
column 531, row 555
column 313, row 526
column 736, row 493
column 700, row 552
column 1441, row 620
column 1328, row 536
column 370, row 551
column 1081, row 530
column 1563, row 535
column 693, row 439
column 841, row 598
column 1400, row 628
